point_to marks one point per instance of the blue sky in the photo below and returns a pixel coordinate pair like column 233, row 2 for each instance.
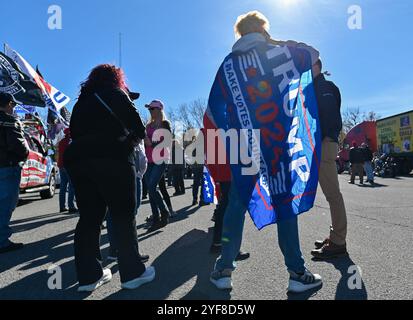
column 172, row 49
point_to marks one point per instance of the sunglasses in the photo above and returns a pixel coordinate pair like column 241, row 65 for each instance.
column 152, row 109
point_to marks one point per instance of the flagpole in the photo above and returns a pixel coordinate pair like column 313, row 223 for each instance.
column 120, row 50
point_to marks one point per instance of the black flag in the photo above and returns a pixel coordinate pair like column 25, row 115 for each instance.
column 15, row 82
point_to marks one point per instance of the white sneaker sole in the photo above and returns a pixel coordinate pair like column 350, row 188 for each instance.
column 298, row 287
column 148, row 276
column 223, row 283
column 107, row 276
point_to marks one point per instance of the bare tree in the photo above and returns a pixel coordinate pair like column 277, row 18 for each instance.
column 184, row 115
column 351, row 118
column 172, row 117
column 198, row 108
column 371, row 116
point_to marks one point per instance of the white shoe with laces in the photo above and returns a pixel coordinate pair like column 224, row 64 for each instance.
column 302, row 282
column 106, row 277
column 147, row 276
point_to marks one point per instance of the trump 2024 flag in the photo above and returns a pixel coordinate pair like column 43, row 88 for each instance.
column 269, row 88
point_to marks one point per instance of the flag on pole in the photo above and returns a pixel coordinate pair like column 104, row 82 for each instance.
column 55, row 99
column 15, row 82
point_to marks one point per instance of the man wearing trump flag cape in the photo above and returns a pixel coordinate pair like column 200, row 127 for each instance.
column 263, row 91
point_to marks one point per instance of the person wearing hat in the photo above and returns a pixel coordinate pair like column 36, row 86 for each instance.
column 105, row 128
column 157, row 161
column 13, row 152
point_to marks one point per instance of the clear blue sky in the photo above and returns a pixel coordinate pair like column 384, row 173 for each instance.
column 172, row 49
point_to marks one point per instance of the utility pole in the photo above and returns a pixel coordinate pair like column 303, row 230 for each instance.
column 120, row 50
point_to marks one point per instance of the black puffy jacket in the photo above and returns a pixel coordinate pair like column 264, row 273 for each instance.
column 13, row 146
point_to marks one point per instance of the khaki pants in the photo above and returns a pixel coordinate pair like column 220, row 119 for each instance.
column 357, row 169
column 331, row 189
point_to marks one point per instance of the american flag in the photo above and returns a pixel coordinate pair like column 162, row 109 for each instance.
column 209, row 189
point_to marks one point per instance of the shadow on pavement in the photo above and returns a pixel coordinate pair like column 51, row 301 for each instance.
column 375, row 185
column 185, row 259
column 305, row 295
column 343, row 291
column 17, row 227
column 41, row 254
column 26, row 201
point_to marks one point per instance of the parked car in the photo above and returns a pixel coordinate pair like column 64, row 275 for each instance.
column 39, row 172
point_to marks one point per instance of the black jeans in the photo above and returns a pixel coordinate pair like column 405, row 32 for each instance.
column 198, row 178
column 101, row 185
column 220, row 211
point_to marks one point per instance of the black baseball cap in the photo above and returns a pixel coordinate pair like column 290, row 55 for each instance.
column 134, row 95
column 6, row 98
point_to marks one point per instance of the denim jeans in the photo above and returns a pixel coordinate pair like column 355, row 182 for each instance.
column 234, row 218
column 112, row 242
column 66, row 187
column 9, row 196
column 368, row 167
column 153, row 176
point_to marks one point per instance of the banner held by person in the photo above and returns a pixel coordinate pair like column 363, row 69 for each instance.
column 270, row 88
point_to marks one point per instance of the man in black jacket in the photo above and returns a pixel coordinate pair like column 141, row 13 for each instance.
column 357, row 159
column 13, row 151
column 329, row 105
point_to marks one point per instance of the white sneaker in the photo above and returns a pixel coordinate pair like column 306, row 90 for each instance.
column 302, row 282
column 147, row 276
column 107, row 276
column 222, row 279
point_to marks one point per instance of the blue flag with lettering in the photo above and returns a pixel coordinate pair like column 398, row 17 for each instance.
column 266, row 95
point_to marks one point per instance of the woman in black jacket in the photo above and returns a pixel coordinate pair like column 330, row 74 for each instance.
column 105, row 127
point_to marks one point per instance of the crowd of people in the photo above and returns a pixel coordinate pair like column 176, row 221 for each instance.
column 112, row 162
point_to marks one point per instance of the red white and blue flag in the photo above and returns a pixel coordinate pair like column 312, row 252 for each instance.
column 269, row 88
column 209, row 189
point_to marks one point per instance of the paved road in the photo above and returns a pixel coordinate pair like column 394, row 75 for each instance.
column 380, row 243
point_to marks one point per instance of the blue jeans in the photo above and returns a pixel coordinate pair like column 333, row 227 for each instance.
column 234, row 218
column 368, row 167
column 66, row 186
column 9, row 197
column 109, row 223
column 153, row 176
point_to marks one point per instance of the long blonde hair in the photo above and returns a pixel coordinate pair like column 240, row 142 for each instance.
column 152, row 120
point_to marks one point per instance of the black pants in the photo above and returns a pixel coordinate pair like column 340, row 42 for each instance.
column 220, row 211
column 165, row 195
column 102, row 184
column 178, row 178
column 144, row 188
column 198, row 177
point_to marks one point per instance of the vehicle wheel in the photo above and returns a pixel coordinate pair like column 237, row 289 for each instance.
column 49, row 193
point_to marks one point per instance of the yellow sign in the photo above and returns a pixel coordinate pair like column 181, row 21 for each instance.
column 395, row 134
